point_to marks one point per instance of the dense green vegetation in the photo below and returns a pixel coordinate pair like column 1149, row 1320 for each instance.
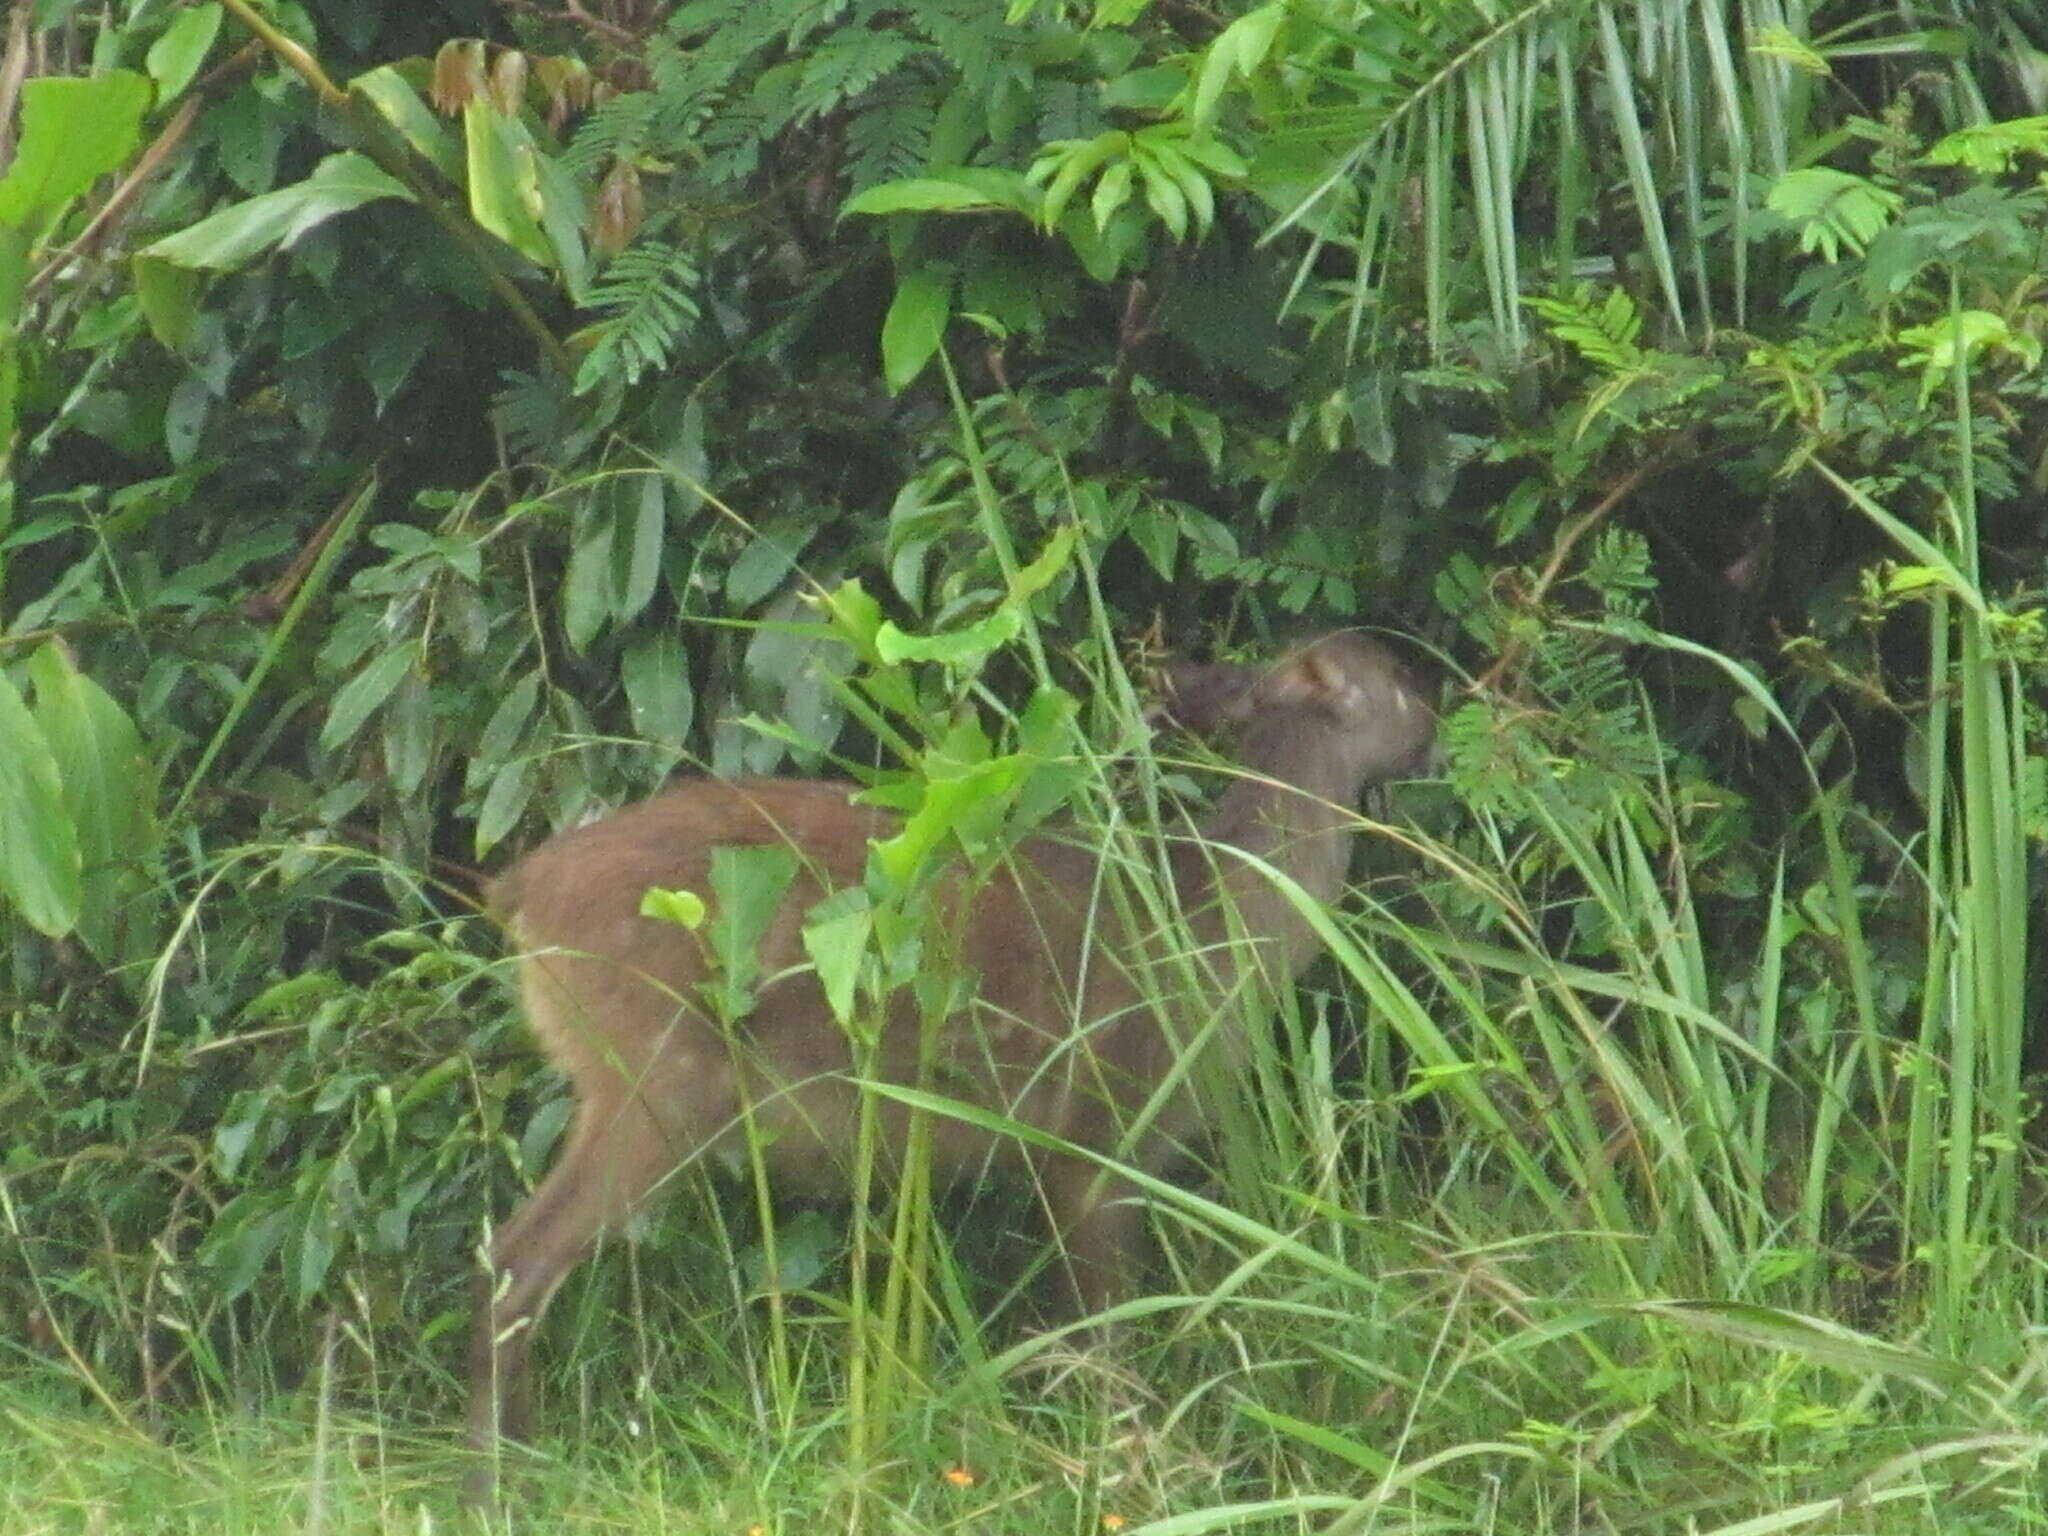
column 428, row 423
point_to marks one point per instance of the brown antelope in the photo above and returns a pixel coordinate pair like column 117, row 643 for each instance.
column 1069, row 1030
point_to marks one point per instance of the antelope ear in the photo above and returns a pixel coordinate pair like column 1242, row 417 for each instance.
column 1313, row 678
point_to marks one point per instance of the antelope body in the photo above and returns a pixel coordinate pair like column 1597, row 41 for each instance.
column 1067, row 1031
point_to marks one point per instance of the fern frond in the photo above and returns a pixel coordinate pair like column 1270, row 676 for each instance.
column 1832, row 209
column 891, row 135
column 732, row 139
column 646, row 297
column 729, row 30
column 1603, row 333
column 970, row 36
column 613, row 130
column 1989, row 149
column 529, row 410
column 1068, row 110
column 846, row 65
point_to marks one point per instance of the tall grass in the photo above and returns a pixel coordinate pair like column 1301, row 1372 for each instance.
column 1558, row 1202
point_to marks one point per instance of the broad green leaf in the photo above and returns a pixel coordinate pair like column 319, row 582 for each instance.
column 964, row 745
column 243, row 1239
column 971, row 801
column 1146, row 90
column 73, row 131
column 14, row 246
column 1156, row 532
column 399, row 105
column 275, row 220
column 1035, row 577
column 1194, row 186
column 1162, row 192
column 362, row 694
column 835, row 936
column 1044, row 727
column 767, row 561
column 1102, row 252
column 961, row 189
column 1045, row 731
column 562, row 218
column 185, row 414
column 1911, row 580
column 409, row 734
column 643, row 563
column 747, row 887
column 504, row 803
column 449, row 1070
column 237, row 1128
column 502, row 732
column 964, row 647
column 169, row 295
column 291, row 998
column 1236, row 51
column 915, row 325
column 108, row 785
column 586, row 592
column 682, row 457
column 389, row 353
column 249, row 139
column 1070, row 162
column 1111, row 192
column 1213, row 155
column 174, row 58
column 39, row 859
column 317, row 1240
column 685, row 909
column 855, row 615
column 656, row 673
column 13, row 278
column 504, row 182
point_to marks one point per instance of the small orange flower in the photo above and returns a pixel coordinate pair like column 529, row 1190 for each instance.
column 959, row 1477
column 1114, row 1522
